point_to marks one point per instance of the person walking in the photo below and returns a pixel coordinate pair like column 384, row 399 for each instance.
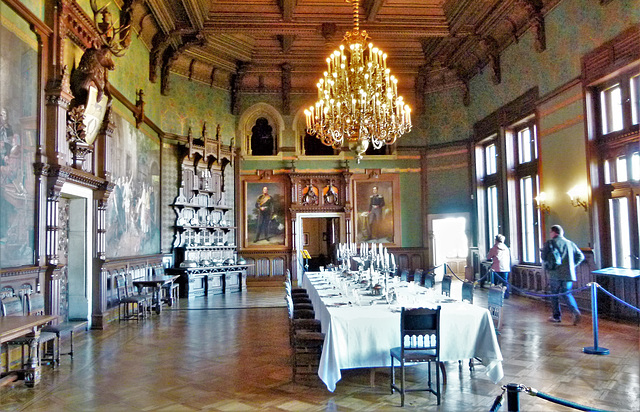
column 561, row 257
column 501, row 262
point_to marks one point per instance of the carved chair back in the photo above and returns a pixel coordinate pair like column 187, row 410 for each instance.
column 12, row 306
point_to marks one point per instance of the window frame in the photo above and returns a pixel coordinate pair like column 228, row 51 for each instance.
column 518, row 171
column 610, row 147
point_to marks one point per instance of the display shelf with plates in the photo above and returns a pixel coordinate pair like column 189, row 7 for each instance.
column 205, row 243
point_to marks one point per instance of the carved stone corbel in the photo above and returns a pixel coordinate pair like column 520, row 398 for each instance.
column 171, row 55
column 493, row 54
column 139, row 112
column 534, row 9
column 159, row 45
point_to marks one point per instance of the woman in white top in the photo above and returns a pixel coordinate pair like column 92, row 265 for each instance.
column 500, row 261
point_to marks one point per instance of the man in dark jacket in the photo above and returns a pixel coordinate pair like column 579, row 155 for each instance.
column 562, row 271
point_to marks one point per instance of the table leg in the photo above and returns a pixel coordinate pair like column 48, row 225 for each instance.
column 170, row 293
column 32, row 368
column 158, row 301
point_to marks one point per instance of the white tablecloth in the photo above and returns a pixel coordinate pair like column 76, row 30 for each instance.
column 362, row 336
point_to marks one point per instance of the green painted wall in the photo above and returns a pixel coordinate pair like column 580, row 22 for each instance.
column 411, row 202
column 573, row 28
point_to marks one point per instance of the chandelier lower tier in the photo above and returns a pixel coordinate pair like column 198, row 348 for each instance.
column 358, row 98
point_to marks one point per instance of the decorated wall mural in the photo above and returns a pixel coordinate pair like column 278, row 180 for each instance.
column 133, row 214
column 18, row 96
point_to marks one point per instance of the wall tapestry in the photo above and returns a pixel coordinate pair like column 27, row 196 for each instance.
column 18, row 120
column 133, row 211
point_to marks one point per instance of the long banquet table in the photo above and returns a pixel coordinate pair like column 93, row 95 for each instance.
column 361, row 335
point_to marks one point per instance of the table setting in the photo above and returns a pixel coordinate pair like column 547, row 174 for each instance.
column 361, row 322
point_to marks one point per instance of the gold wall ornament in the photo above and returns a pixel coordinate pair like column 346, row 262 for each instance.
column 358, row 98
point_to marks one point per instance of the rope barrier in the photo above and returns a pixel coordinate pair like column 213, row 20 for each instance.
column 617, row 298
column 513, row 400
column 506, row 282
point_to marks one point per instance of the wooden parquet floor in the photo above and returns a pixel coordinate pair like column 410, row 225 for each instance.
column 231, row 353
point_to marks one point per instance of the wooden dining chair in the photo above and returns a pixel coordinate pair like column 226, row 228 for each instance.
column 171, row 290
column 35, row 306
column 429, row 280
column 446, row 285
column 467, row 292
column 306, row 340
column 418, row 276
column 404, row 275
column 13, row 306
column 495, row 304
column 130, row 306
column 288, row 280
column 419, row 343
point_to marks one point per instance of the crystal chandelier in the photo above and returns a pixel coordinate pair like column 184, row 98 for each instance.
column 357, row 97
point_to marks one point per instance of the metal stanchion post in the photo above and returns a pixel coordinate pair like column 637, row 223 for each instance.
column 595, row 350
column 513, row 397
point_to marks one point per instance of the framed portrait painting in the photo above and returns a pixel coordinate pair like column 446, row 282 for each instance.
column 265, row 223
column 377, row 210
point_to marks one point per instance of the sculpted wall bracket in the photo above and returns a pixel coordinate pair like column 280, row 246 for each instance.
column 534, row 8
column 76, row 136
column 139, row 112
column 171, row 55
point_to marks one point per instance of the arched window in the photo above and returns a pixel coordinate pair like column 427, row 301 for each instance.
column 262, row 140
column 260, row 129
column 312, row 146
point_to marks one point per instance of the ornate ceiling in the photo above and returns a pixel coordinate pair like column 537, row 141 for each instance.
column 260, row 45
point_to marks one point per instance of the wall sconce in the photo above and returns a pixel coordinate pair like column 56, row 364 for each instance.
column 579, row 195
column 541, row 200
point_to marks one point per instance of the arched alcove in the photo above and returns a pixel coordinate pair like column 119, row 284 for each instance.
column 256, row 121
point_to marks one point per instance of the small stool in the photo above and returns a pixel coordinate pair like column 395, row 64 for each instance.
column 59, row 329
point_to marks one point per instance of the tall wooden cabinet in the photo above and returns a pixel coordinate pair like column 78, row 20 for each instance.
column 205, row 244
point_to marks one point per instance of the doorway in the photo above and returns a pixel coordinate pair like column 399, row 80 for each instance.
column 79, row 238
column 318, row 234
column 449, row 241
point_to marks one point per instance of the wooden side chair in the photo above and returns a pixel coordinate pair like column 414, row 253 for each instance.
column 130, row 306
column 13, row 306
column 446, row 285
column 306, row 341
column 419, row 343
column 170, row 290
column 404, row 275
column 35, row 306
column 467, row 292
column 495, row 304
column 418, row 277
column 429, row 280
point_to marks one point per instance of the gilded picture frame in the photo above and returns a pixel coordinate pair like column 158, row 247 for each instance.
column 377, row 212
column 265, row 217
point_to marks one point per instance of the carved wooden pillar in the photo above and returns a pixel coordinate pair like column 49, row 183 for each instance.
column 52, row 282
column 286, row 88
column 58, row 99
column 236, row 85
